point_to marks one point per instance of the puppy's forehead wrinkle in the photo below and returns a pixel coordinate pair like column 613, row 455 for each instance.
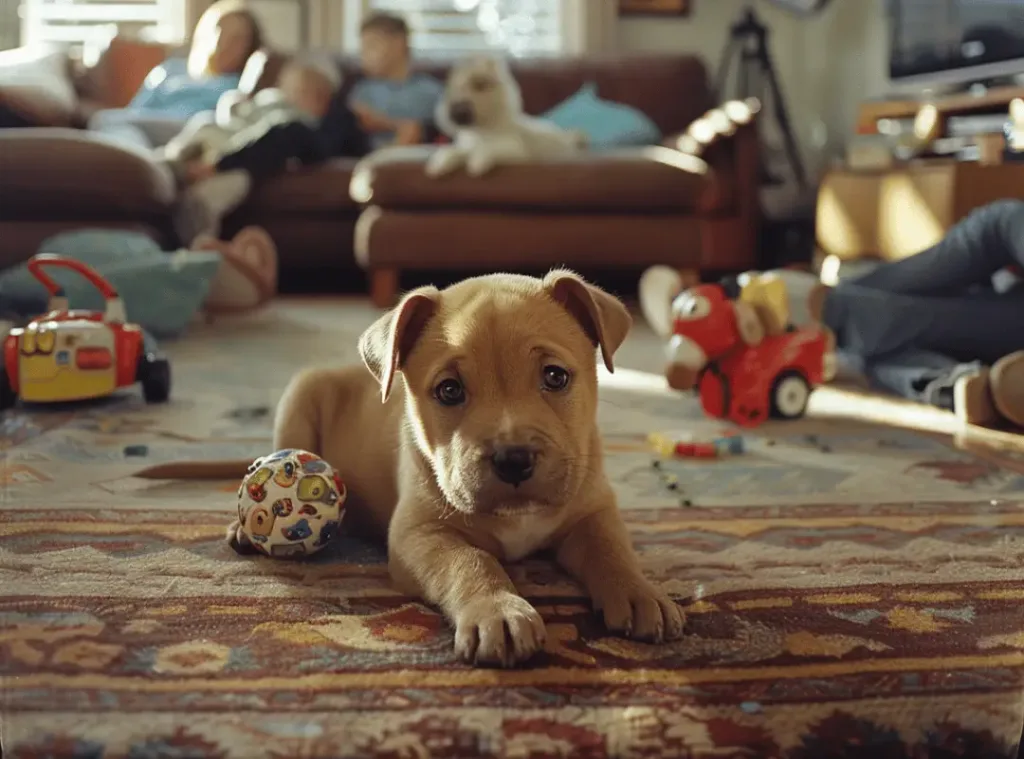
column 517, row 315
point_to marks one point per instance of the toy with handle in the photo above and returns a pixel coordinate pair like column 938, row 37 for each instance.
column 114, row 312
column 77, row 355
column 735, row 346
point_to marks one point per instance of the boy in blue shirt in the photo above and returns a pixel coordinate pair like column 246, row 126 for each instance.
column 394, row 105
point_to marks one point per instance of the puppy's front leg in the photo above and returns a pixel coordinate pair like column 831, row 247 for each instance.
column 493, row 623
column 445, row 160
column 598, row 553
column 481, row 161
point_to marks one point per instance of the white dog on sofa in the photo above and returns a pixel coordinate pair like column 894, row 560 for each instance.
column 482, row 111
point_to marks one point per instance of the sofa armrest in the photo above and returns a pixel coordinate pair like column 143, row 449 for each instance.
column 37, row 108
column 727, row 138
column 66, row 168
column 717, row 135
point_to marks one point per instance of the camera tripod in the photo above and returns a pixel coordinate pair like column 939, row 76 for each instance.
column 748, row 47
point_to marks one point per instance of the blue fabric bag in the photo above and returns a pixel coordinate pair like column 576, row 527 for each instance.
column 161, row 291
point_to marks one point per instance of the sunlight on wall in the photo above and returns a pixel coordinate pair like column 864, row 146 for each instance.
column 827, row 63
column 914, row 213
column 891, row 215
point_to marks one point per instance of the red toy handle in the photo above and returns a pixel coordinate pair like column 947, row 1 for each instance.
column 37, row 265
column 114, row 312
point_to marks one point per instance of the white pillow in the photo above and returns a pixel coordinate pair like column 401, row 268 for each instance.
column 39, row 71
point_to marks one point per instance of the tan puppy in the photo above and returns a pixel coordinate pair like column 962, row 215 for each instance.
column 482, row 111
column 484, row 449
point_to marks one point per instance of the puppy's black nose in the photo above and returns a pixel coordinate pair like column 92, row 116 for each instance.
column 513, row 463
column 461, row 112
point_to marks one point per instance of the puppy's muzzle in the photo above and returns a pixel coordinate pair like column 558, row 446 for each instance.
column 514, row 464
column 461, row 113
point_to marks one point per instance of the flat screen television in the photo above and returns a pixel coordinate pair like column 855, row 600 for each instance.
column 955, row 41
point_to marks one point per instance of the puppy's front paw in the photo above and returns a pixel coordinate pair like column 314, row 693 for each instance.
column 444, row 161
column 503, row 630
column 479, row 163
column 636, row 609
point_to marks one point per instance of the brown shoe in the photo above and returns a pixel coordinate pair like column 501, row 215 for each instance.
column 1007, row 387
column 972, row 400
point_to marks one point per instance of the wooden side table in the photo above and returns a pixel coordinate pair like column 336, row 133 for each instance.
column 897, row 212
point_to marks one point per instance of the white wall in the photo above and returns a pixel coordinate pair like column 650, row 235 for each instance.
column 282, row 22
column 827, row 63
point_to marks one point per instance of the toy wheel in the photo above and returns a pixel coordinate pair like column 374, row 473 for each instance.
column 7, row 395
column 790, row 392
column 154, row 373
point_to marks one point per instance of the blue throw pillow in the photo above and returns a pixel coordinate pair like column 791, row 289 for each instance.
column 161, row 291
column 606, row 124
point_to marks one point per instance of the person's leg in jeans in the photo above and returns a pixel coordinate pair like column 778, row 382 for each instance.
column 990, row 238
column 920, row 375
column 888, row 329
column 879, row 326
column 873, row 323
column 920, row 307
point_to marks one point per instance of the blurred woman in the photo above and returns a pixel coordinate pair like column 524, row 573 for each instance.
column 227, row 34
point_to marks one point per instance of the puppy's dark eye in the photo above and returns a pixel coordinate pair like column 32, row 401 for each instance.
column 555, row 378
column 450, row 392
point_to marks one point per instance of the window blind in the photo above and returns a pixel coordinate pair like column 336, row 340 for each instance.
column 442, row 28
column 81, row 23
column 10, row 24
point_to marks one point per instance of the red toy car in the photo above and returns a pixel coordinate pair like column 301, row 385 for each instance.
column 78, row 355
column 741, row 373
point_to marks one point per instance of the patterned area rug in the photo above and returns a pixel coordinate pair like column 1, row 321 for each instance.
column 859, row 593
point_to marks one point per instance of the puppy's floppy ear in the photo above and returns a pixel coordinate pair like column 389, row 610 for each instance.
column 386, row 344
column 603, row 317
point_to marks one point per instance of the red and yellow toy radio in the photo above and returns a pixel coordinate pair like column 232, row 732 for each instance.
column 741, row 355
column 68, row 355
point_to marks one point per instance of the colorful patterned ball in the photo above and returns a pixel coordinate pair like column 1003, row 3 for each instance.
column 290, row 503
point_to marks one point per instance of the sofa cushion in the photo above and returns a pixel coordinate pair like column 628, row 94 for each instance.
column 639, row 180
column 606, row 124
column 36, row 84
column 125, row 65
column 320, row 189
column 48, row 169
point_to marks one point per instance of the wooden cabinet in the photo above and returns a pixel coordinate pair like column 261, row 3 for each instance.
column 897, row 212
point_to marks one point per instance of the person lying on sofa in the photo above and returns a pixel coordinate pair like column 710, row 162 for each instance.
column 932, row 327
column 227, row 34
column 394, row 105
column 303, row 122
column 219, row 154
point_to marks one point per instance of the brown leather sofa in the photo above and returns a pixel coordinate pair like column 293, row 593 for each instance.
column 659, row 206
column 632, row 208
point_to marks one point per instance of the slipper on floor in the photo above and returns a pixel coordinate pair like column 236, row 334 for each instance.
column 248, row 276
